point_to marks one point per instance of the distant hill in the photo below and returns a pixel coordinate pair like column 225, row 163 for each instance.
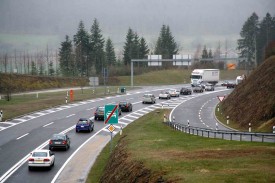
column 253, row 101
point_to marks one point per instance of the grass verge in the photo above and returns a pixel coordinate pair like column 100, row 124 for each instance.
column 27, row 103
column 180, row 157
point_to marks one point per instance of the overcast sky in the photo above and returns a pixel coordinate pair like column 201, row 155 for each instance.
column 191, row 21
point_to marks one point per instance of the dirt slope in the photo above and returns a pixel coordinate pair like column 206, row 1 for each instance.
column 253, row 101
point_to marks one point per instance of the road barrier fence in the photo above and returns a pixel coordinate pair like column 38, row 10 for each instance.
column 223, row 134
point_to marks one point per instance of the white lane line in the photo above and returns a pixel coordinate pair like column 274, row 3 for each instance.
column 48, row 124
column 130, row 99
column 135, row 113
column 9, row 123
column 136, row 102
column 90, row 108
column 123, row 123
column 131, row 116
column 22, row 120
column 70, row 115
column 22, row 136
column 127, row 119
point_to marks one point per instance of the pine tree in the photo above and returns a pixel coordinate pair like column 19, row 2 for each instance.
column 81, row 42
column 246, row 45
column 97, row 47
column 34, row 70
column 266, row 34
column 128, row 47
column 204, row 53
column 144, row 50
column 210, row 55
column 136, row 48
column 51, row 69
column 67, row 64
column 166, row 45
column 110, row 53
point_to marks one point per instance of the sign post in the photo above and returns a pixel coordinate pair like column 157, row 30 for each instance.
column 111, row 116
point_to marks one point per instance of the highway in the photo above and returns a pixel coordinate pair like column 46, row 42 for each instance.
column 22, row 135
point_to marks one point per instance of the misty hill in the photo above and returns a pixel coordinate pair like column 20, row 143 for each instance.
column 253, row 101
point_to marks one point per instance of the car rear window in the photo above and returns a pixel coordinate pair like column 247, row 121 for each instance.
column 39, row 154
column 58, row 137
column 83, row 122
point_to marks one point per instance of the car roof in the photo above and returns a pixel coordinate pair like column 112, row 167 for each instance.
column 41, row 150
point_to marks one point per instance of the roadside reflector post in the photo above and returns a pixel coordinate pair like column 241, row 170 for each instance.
column 120, row 132
column 1, row 115
column 164, row 118
column 37, row 95
column 249, row 128
column 173, row 119
column 273, row 129
column 66, row 99
column 67, row 93
column 218, row 108
column 227, row 121
column 108, row 89
column 217, row 127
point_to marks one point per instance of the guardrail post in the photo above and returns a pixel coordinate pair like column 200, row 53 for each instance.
column 249, row 128
column 1, row 115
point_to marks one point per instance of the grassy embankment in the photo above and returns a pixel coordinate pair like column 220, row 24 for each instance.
column 22, row 104
column 149, row 151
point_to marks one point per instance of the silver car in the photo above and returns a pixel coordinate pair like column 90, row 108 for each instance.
column 148, row 98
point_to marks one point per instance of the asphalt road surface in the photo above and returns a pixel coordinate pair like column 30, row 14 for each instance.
column 21, row 136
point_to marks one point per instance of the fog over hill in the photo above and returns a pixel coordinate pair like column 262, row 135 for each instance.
column 191, row 22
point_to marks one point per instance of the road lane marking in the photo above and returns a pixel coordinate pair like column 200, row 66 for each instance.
column 48, row 124
column 70, row 115
column 22, row 136
column 90, row 108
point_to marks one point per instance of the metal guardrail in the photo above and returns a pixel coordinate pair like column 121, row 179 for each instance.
column 223, row 134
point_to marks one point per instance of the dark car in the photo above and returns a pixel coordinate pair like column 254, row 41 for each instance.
column 84, row 124
column 99, row 113
column 225, row 83
column 59, row 141
column 231, row 85
column 125, row 106
column 198, row 88
column 185, row 91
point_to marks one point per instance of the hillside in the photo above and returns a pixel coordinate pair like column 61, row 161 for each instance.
column 253, row 101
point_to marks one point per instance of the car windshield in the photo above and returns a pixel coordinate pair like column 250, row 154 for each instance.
column 39, row 154
column 58, row 137
column 146, row 96
column 195, row 76
column 122, row 103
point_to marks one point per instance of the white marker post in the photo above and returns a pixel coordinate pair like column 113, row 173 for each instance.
column 227, row 121
column 66, row 100
column 273, row 129
column 173, row 119
column 120, row 132
column 164, row 118
column 1, row 115
column 217, row 127
column 249, row 129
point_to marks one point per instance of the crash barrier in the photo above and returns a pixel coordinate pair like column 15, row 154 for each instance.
column 223, row 134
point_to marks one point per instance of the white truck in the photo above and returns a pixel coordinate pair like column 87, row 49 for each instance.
column 200, row 76
column 239, row 79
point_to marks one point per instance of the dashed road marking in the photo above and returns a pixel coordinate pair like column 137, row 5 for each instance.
column 22, row 136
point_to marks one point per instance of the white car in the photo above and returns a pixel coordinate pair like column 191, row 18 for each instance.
column 41, row 158
column 148, row 98
column 165, row 95
column 174, row 93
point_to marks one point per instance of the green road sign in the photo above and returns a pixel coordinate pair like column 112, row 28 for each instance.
column 111, row 119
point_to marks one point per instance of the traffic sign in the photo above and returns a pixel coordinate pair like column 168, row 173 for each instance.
column 111, row 128
column 221, row 98
column 111, row 114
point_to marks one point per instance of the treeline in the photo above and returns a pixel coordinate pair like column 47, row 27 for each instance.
column 88, row 53
column 256, row 39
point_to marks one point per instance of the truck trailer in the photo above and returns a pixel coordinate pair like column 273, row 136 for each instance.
column 200, row 76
